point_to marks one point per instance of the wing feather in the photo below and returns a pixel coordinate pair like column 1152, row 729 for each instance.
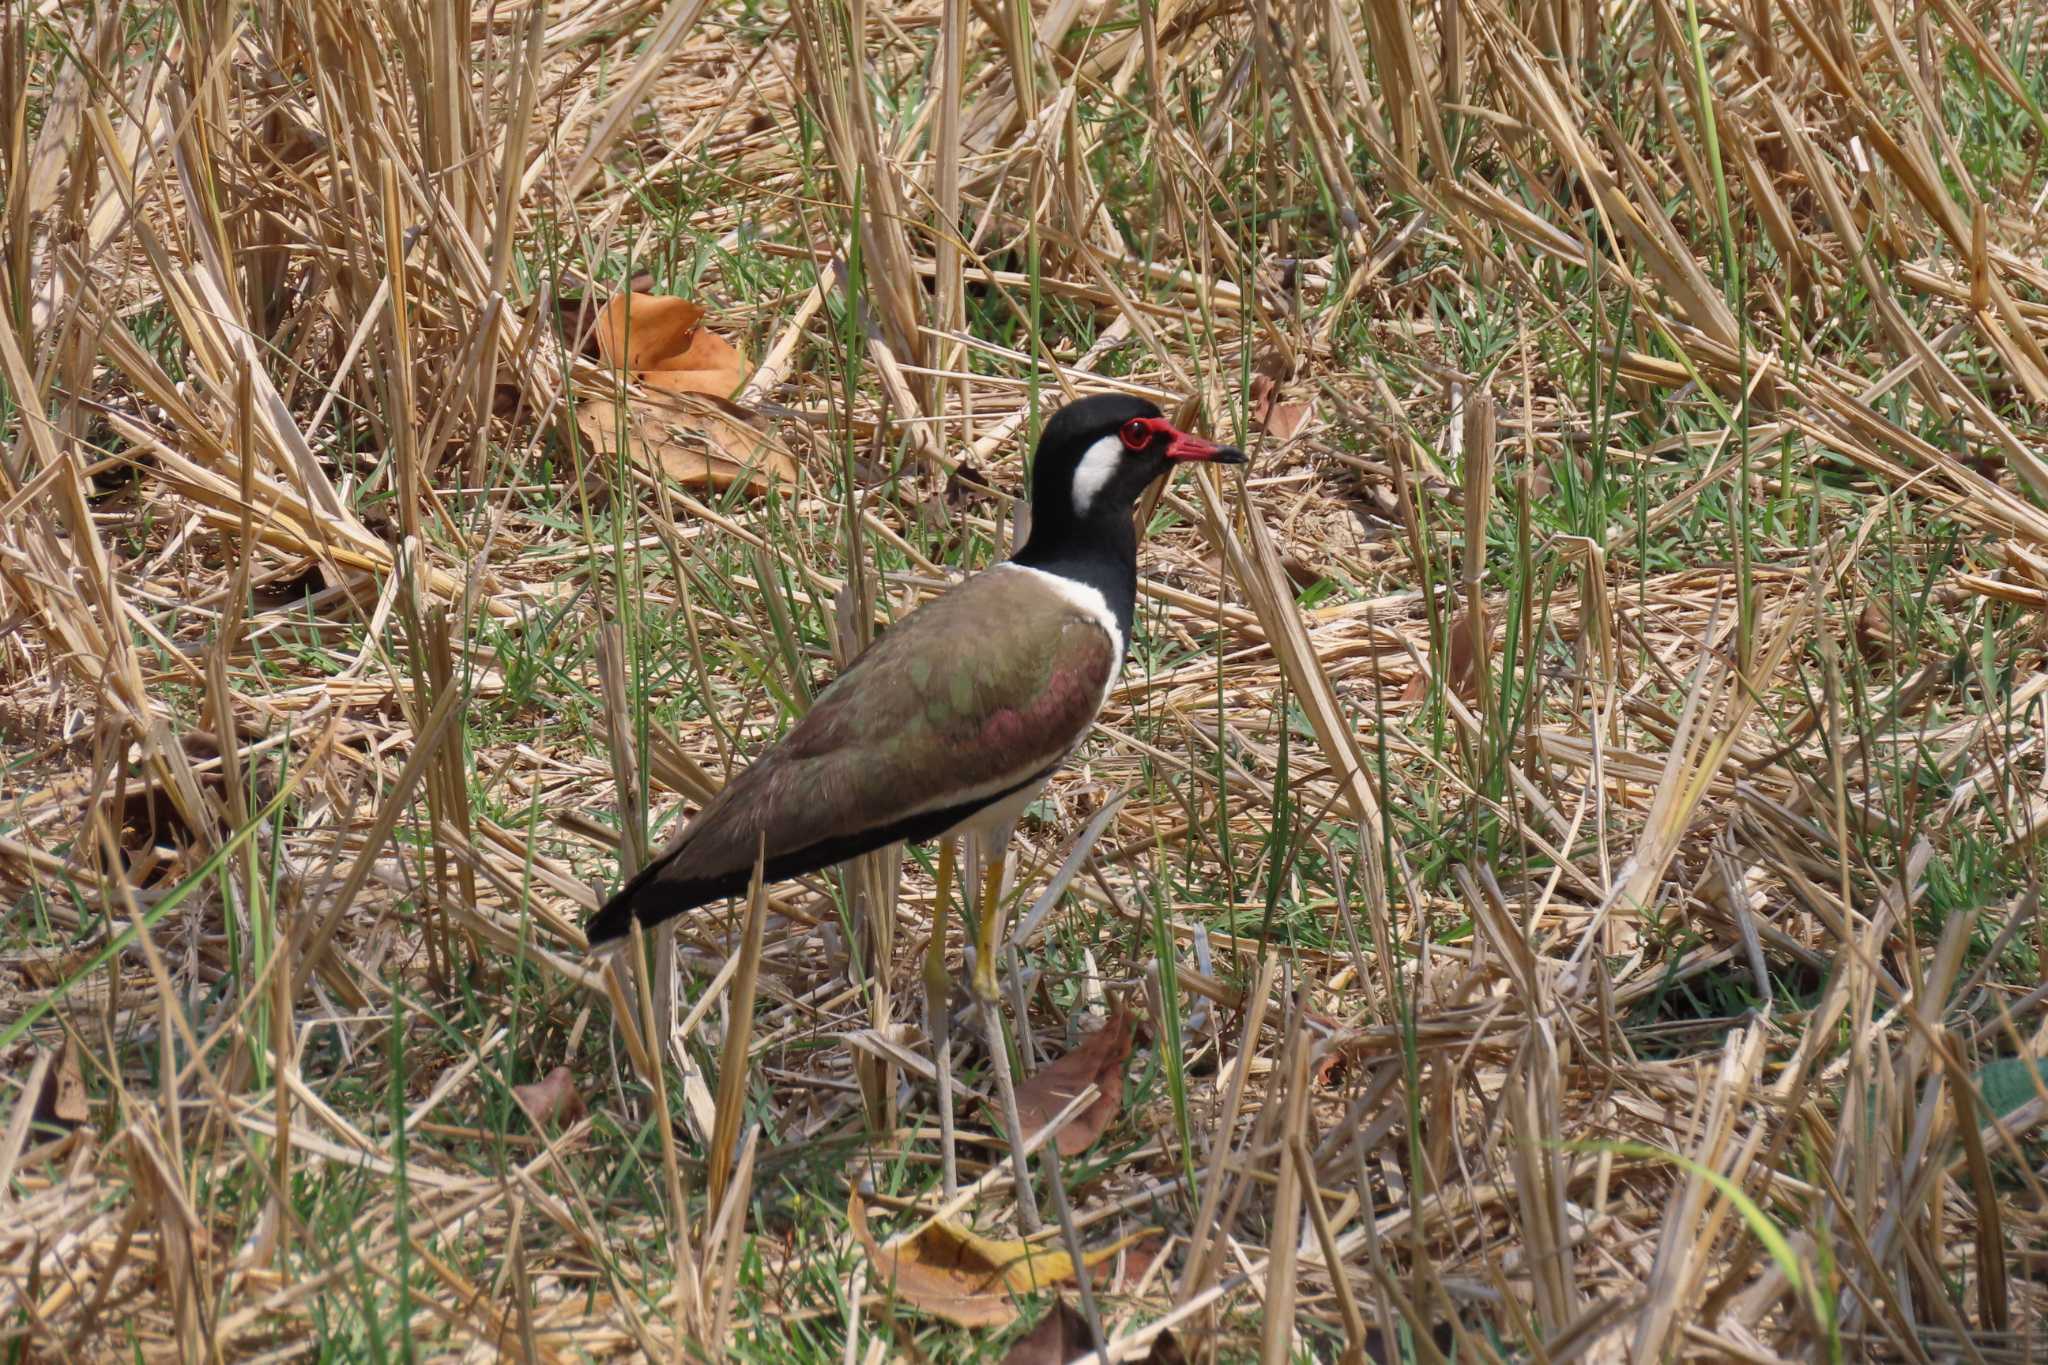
column 968, row 698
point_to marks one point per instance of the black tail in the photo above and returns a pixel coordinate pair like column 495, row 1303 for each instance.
column 611, row 921
column 661, row 890
column 652, row 898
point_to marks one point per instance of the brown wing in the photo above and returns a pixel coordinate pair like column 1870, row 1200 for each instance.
column 968, row 698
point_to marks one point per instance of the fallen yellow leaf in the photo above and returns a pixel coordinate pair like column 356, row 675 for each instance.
column 1024, row 1266
column 952, row 1273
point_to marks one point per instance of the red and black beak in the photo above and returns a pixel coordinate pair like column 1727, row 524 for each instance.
column 1145, row 433
column 1187, row 446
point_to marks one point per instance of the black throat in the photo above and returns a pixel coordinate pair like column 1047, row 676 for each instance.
column 1100, row 550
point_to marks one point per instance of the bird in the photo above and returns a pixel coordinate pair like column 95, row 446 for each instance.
column 955, row 717
column 949, row 724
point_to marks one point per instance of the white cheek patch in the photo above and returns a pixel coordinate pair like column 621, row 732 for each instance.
column 1092, row 475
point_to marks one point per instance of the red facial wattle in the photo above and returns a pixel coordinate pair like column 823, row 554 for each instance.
column 1146, row 433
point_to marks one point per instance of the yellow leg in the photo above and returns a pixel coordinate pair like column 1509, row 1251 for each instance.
column 987, row 936
column 936, row 978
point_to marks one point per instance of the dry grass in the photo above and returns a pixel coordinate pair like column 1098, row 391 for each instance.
column 1580, row 793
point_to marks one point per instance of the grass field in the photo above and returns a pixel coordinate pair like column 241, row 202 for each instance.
column 1563, row 855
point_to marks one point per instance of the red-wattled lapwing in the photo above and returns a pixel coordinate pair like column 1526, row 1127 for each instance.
column 950, row 722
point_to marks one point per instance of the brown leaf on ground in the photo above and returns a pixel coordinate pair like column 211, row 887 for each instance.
column 553, row 1097
column 697, row 440
column 965, row 1278
column 662, row 340
column 1874, row 640
column 578, row 304
column 1303, row 572
column 1465, row 661
column 1059, row 1336
column 1130, row 1270
column 1282, row 421
column 968, row 1292
column 69, row 1103
column 1165, row 1351
column 1062, row 1335
column 1098, row 1060
column 65, row 1093
column 686, row 427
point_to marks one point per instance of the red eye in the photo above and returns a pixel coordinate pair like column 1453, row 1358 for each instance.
column 1137, row 433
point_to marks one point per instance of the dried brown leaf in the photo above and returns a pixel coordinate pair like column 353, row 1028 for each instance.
column 1165, row 1351
column 1282, row 421
column 1464, row 660
column 1062, row 1335
column 661, row 339
column 697, row 440
column 968, row 1293
column 553, row 1097
column 1059, row 1336
column 949, row 1272
column 1301, row 571
column 1874, row 639
column 1129, row 1272
column 1099, row 1061
column 67, row 1088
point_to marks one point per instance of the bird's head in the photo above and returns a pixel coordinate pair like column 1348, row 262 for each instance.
column 1098, row 454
